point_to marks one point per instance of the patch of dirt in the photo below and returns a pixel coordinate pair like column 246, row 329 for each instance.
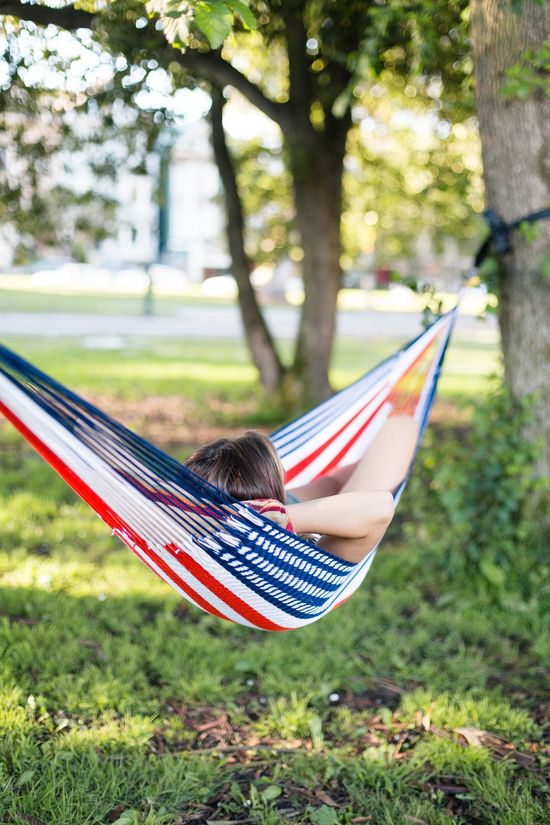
column 448, row 413
column 29, row 621
column 168, row 421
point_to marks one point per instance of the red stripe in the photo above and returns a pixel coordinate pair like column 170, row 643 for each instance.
column 336, row 460
column 223, row 592
column 102, row 508
column 190, row 591
column 305, row 462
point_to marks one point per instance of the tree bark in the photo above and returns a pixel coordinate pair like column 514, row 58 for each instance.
column 316, row 160
column 515, row 137
column 317, row 167
column 258, row 336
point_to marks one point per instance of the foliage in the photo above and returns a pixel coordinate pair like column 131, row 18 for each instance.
column 183, row 21
column 530, row 76
column 428, row 39
column 68, row 125
column 265, row 186
column 407, row 173
column 481, row 495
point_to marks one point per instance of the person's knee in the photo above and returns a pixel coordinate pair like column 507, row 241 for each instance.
column 386, row 512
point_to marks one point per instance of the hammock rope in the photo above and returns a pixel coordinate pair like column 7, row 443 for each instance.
column 500, row 232
column 214, row 551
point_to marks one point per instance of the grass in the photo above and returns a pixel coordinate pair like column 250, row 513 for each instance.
column 192, row 367
column 119, row 703
column 98, row 303
column 17, row 294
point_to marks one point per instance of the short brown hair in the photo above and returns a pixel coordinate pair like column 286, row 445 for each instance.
column 247, row 467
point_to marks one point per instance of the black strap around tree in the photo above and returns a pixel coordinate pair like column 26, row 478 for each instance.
column 500, row 232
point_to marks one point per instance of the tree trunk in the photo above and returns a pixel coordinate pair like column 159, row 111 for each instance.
column 515, row 137
column 260, row 341
column 317, row 167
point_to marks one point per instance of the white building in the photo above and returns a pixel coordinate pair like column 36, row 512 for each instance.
column 175, row 217
column 195, row 217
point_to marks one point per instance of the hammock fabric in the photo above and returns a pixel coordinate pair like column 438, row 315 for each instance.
column 216, row 552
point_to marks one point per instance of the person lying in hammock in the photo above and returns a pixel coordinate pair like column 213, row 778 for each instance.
column 351, row 508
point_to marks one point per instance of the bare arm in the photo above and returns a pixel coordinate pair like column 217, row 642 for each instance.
column 350, row 523
column 359, row 508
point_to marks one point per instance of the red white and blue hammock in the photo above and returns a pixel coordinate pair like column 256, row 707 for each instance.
column 216, row 552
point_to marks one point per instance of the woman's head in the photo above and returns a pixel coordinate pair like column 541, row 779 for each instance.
column 246, row 467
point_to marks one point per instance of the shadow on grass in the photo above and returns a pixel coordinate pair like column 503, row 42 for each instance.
column 130, row 701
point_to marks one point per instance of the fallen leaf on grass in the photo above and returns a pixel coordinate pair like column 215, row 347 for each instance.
column 324, row 797
column 116, row 813
column 416, row 820
column 472, row 736
column 424, row 720
column 500, row 748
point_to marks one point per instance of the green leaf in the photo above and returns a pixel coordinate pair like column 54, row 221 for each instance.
column 270, row 793
column 215, row 21
column 25, row 778
column 316, row 730
column 127, row 817
column 530, row 231
column 324, row 816
column 240, row 7
column 495, row 575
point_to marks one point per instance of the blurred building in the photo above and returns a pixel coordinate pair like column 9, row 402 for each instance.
column 136, row 238
column 194, row 219
column 174, row 214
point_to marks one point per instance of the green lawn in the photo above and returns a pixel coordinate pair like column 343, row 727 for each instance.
column 120, row 703
column 28, row 298
column 98, row 303
column 193, row 367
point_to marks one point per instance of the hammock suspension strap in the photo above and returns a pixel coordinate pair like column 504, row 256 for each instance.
column 500, row 232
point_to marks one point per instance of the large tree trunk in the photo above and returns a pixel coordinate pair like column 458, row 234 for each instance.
column 260, row 341
column 318, row 198
column 515, row 136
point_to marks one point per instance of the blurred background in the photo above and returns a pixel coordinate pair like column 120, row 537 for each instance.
column 213, row 214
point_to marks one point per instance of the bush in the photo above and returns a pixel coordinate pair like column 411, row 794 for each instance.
column 475, row 493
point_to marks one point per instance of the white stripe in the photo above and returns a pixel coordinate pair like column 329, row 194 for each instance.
column 135, row 509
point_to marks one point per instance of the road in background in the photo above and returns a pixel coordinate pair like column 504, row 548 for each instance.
column 225, row 322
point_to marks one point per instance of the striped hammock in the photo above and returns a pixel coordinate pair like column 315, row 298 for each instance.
column 216, row 552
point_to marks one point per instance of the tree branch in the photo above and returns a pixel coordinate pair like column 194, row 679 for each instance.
column 66, row 17
column 209, row 65
column 213, row 67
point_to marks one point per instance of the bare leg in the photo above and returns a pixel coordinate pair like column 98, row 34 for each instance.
column 388, row 459
column 383, row 467
column 328, row 485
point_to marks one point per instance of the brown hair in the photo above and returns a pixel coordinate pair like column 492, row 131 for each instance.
column 246, row 467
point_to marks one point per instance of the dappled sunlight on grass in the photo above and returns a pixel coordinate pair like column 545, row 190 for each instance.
column 116, row 696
